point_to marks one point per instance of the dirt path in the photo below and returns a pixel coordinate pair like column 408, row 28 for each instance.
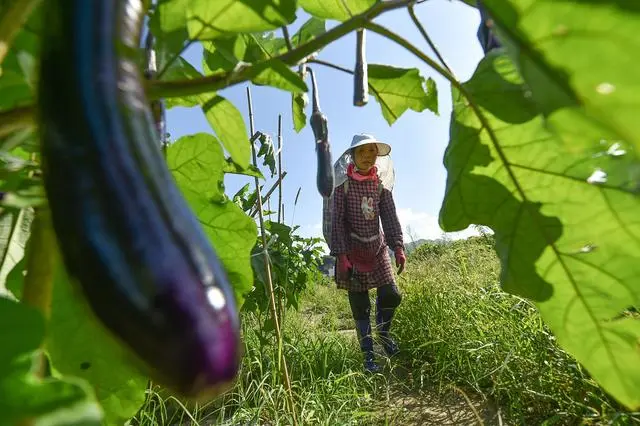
column 407, row 406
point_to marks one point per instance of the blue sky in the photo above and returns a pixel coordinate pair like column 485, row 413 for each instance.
column 418, row 140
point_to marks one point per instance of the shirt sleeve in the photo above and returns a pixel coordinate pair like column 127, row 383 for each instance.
column 390, row 222
column 338, row 245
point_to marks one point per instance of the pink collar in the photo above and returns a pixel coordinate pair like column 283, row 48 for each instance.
column 372, row 174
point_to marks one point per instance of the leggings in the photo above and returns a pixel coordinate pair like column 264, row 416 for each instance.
column 388, row 298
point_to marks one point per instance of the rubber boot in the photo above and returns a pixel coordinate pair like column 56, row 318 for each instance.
column 363, row 329
column 383, row 324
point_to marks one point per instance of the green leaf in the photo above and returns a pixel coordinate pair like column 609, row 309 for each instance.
column 225, row 54
column 197, row 162
column 49, row 401
column 18, row 70
column 567, row 235
column 400, row 89
column 574, row 56
column 339, row 10
column 79, row 346
column 233, row 168
column 16, row 341
column 299, row 102
column 211, row 19
column 178, row 70
column 276, row 74
column 168, row 24
column 231, row 232
column 227, row 122
column 225, row 119
column 308, row 31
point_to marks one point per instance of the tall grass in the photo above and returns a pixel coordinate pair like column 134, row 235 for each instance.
column 470, row 354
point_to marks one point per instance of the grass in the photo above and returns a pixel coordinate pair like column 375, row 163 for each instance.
column 471, row 354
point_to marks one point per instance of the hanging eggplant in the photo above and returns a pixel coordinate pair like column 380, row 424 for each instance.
column 360, row 76
column 126, row 235
column 318, row 122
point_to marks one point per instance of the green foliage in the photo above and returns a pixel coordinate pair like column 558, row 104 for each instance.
column 400, row 89
column 339, row 10
column 540, row 198
column 197, row 162
column 53, row 401
column 544, row 150
column 80, row 347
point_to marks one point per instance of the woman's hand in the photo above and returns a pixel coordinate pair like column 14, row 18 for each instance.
column 400, row 259
column 344, row 265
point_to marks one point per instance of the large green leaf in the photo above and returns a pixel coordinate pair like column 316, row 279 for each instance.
column 308, row 31
column 400, row 89
column 47, row 401
column 210, row 19
column 231, row 232
column 576, row 58
column 567, row 234
column 227, row 122
column 225, row 54
column 79, row 346
column 168, row 24
column 196, row 162
column 339, row 10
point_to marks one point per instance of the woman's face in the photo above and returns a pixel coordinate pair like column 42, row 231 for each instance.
column 365, row 156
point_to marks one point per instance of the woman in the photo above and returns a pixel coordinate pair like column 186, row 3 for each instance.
column 360, row 245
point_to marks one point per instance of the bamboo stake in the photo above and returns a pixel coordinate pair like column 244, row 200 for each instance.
column 279, row 166
column 272, row 300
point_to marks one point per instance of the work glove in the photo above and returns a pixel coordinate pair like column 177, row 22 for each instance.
column 400, row 259
column 344, row 265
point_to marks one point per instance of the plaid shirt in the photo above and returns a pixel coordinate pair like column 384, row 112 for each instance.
column 357, row 232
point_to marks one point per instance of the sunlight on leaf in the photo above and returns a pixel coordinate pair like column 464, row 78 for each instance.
column 276, row 74
column 225, row 119
column 228, row 123
column 339, row 10
column 569, row 243
column 196, row 161
column 575, row 58
column 168, row 24
column 230, row 231
column 210, row 19
column 308, row 31
column 400, row 89
column 49, row 401
column 79, row 346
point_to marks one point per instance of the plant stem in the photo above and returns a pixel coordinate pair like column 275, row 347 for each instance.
column 424, row 33
column 16, row 119
column 287, row 38
column 219, row 80
column 267, row 264
column 11, row 21
column 345, row 70
column 379, row 29
column 40, row 265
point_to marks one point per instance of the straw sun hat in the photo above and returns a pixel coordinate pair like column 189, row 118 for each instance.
column 364, row 139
